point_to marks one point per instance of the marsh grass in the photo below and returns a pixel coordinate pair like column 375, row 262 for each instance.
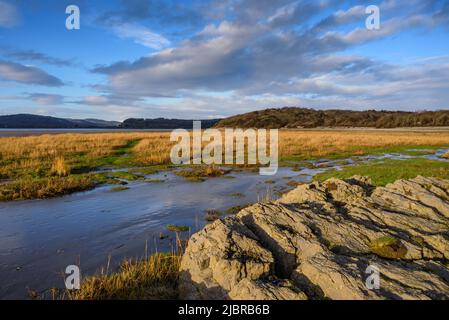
column 28, row 161
column 60, row 167
column 118, row 189
column 212, row 215
column 237, row 195
column 154, row 278
column 44, row 187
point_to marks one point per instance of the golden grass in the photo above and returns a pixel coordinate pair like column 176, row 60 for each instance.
column 317, row 144
column 60, row 167
column 155, row 278
column 65, row 155
column 37, row 153
column 43, row 187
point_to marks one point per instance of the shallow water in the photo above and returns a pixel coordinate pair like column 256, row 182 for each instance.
column 39, row 238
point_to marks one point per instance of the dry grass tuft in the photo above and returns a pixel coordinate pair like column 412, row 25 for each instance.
column 59, row 167
column 155, row 278
column 43, row 188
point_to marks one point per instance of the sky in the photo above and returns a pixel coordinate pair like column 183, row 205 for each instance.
column 199, row 59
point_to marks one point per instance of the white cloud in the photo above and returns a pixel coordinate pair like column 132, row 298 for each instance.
column 141, row 35
column 12, row 71
column 46, row 99
column 274, row 54
column 9, row 16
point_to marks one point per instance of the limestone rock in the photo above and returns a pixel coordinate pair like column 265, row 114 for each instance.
column 318, row 241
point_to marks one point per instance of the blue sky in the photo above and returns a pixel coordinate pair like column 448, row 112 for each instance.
column 204, row 59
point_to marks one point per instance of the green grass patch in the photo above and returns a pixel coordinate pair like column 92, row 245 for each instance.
column 177, row 228
column 124, row 175
column 120, row 157
column 360, row 150
column 102, row 178
column 237, row 195
column 118, row 189
column 199, row 173
column 388, row 170
column 236, row 209
column 151, row 169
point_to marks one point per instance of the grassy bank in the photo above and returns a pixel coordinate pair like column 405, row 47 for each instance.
column 155, row 278
column 42, row 188
column 62, row 164
column 387, row 171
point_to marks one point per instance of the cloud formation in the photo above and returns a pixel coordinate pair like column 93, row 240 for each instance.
column 141, row 35
column 9, row 16
column 11, row 71
column 32, row 55
column 267, row 49
column 46, row 99
column 209, row 58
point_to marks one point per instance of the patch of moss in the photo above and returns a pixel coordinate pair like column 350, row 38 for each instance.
column 124, row 175
column 177, row 228
column 235, row 209
column 198, row 174
column 118, row 189
column 237, row 195
column 388, row 247
column 390, row 170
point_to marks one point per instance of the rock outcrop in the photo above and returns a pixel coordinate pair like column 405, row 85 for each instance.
column 324, row 241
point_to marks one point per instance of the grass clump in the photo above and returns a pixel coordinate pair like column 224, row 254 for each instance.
column 212, row 215
column 155, row 181
column 388, row 247
column 236, row 209
column 198, row 174
column 155, row 278
column 118, row 189
column 177, row 228
column 237, row 195
column 44, row 188
column 124, row 175
column 60, row 167
column 388, row 170
column 102, row 178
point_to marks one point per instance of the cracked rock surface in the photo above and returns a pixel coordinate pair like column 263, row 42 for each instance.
column 318, row 240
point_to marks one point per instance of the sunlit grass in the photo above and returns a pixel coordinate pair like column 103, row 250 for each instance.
column 388, row 170
column 38, row 160
column 154, row 278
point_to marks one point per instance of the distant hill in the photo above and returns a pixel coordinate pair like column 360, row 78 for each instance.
column 162, row 123
column 290, row 117
column 30, row 121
